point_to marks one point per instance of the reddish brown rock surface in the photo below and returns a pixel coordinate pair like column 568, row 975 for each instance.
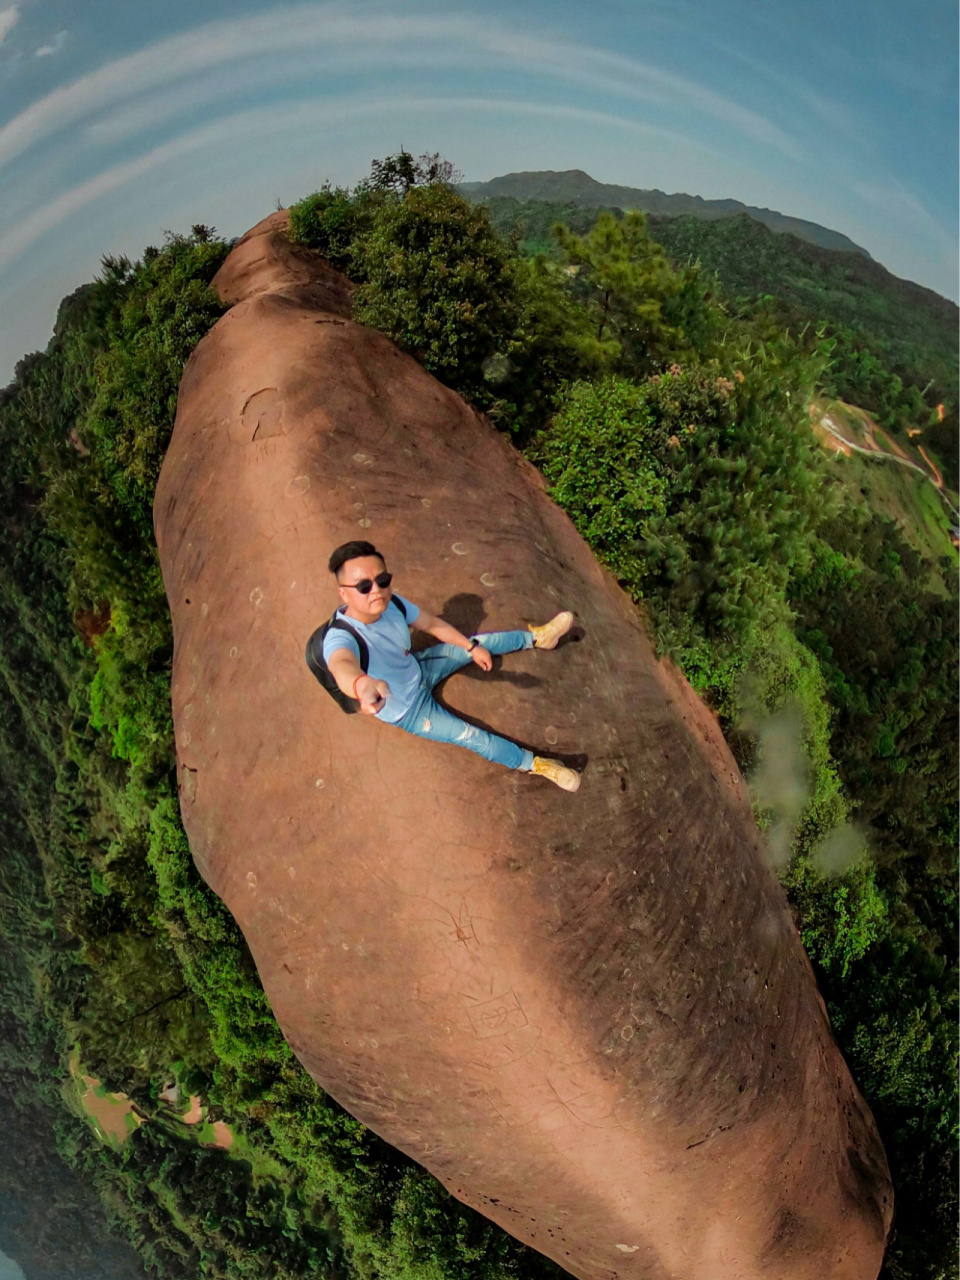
column 590, row 1015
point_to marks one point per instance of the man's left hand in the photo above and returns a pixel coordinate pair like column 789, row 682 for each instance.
column 482, row 658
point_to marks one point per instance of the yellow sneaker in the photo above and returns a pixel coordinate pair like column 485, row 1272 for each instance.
column 566, row 778
column 547, row 636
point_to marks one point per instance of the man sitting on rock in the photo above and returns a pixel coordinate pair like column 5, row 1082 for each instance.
column 398, row 685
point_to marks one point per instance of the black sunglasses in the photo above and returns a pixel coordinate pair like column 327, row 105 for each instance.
column 365, row 585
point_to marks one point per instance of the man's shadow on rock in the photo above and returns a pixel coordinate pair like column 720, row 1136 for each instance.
column 467, row 612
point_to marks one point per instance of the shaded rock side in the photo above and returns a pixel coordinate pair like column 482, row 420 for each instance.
column 590, row 1016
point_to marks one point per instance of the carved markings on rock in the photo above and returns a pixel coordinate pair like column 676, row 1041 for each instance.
column 497, row 1016
column 262, row 416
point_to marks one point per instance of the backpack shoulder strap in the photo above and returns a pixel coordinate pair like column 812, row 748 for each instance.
column 343, row 625
column 400, row 605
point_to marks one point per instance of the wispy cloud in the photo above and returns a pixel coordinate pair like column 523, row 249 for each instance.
column 154, row 110
column 8, row 20
column 315, row 54
column 48, row 50
column 40, row 222
column 14, row 242
column 632, row 78
column 197, row 52
column 280, row 120
column 829, row 108
column 332, row 32
column 560, row 111
column 895, row 199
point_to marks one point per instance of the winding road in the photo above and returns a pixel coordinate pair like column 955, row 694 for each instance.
column 936, row 479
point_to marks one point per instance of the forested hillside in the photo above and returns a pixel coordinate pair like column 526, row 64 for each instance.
column 895, row 343
column 573, row 186
column 672, row 425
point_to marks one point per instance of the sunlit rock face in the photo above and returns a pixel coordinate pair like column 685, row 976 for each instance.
column 590, row 1015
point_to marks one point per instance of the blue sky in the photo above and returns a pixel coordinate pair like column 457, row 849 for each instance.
column 121, row 120
column 9, row 1270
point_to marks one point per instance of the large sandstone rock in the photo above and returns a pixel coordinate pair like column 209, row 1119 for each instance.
column 590, row 1016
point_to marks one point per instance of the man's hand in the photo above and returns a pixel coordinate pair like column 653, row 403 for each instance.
column 372, row 694
column 482, row 658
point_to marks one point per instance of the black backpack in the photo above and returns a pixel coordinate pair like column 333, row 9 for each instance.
column 316, row 663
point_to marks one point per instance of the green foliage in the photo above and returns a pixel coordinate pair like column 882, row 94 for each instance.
column 51, row 1219
column 528, row 225
column 336, row 222
column 727, row 496
column 399, row 173
column 167, row 307
column 146, row 1031
column 603, row 457
column 896, row 1017
column 437, row 282
column 888, row 648
column 330, row 221
column 782, row 711
column 433, row 275
column 679, row 444
column 434, row 1238
column 547, row 344
column 131, row 702
column 141, row 962
column 842, row 917
column 890, row 982
column 895, row 349
column 644, row 313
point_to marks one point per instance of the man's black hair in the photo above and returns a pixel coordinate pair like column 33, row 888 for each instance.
column 350, row 551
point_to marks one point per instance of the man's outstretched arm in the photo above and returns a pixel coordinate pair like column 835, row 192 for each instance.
column 346, row 670
column 448, row 634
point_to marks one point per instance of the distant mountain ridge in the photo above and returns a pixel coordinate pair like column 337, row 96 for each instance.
column 573, row 186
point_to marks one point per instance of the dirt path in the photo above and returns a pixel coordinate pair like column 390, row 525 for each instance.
column 937, row 477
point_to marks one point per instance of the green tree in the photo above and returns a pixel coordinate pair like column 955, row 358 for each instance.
column 635, row 298
column 438, row 283
column 734, row 471
column 330, row 221
column 505, row 332
column 398, row 173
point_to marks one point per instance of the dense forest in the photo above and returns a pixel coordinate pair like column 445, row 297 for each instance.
column 668, row 413
column 895, row 343
column 575, row 187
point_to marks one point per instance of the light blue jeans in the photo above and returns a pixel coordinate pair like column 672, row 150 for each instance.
column 427, row 719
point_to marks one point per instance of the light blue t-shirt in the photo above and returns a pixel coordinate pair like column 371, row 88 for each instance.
column 388, row 640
